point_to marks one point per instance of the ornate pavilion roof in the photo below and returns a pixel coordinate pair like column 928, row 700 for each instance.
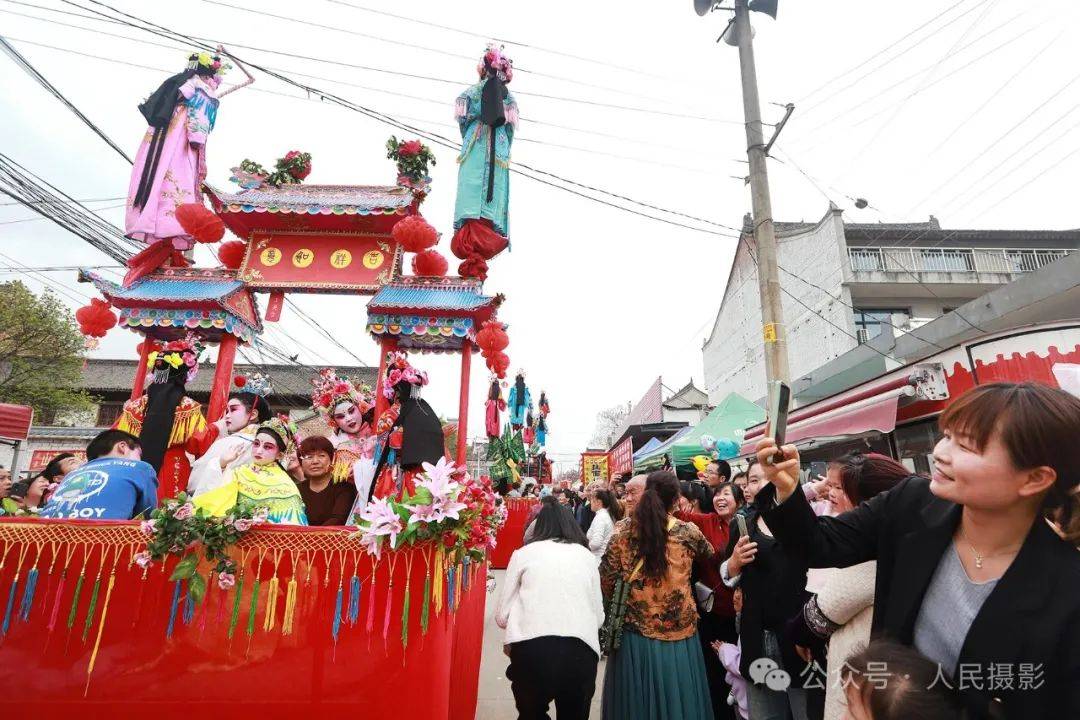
column 168, row 303
column 431, row 314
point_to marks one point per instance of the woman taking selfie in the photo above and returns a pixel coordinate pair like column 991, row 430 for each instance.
column 970, row 570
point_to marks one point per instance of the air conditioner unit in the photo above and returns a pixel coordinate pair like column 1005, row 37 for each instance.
column 861, row 335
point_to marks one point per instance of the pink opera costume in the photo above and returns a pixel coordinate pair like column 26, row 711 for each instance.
column 348, row 410
column 170, row 166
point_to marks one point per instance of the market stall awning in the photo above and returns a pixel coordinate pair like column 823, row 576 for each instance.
column 873, row 413
column 647, row 448
column 729, row 419
column 655, row 459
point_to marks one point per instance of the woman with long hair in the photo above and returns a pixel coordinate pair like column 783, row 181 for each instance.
column 658, row 672
column 977, row 568
column 551, row 609
column 607, row 511
column 841, row 610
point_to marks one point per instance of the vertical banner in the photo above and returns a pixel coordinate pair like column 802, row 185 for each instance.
column 595, row 466
column 622, row 457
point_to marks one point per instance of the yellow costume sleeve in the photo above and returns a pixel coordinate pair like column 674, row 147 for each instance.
column 219, row 501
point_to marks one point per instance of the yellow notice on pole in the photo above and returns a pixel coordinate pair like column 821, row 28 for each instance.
column 769, row 332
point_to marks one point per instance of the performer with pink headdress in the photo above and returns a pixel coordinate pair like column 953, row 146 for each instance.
column 348, row 409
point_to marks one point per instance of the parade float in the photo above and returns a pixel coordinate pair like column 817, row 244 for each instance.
column 191, row 612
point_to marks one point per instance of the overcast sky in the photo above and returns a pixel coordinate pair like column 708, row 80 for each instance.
column 971, row 118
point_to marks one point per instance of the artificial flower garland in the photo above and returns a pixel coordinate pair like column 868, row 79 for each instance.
column 289, row 170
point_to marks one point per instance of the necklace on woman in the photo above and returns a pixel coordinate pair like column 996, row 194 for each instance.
column 979, row 557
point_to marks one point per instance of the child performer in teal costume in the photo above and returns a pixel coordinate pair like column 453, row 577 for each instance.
column 487, row 116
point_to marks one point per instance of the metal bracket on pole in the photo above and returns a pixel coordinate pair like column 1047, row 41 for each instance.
column 788, row 109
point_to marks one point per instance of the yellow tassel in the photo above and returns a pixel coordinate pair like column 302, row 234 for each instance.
column 457, row 587
column 290, row 608
column 438, row 590
column 101, row 624
column 188, row 421
column 270, row 618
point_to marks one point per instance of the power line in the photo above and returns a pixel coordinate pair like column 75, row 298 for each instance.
column 41, row 80
column 402, row 43
column 497, row 39
column 37, row 219
column 877, row 54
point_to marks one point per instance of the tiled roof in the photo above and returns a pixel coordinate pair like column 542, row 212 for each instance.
column 690, row 396
column 319, row 199
column 177, row 284
column 106, row 375
column 429, row 294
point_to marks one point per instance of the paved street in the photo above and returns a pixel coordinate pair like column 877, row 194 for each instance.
column 496, row 702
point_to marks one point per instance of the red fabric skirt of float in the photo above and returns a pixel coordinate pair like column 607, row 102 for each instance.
column 99, row 637
column 512, row 535
column 476, row 242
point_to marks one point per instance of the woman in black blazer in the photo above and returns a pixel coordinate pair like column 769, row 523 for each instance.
column 1003, row 505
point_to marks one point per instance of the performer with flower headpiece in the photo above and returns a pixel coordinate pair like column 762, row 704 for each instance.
column 227, row 443
column 170, row 166
column 348, row 410
column 263, row 481
column 487, row 116
column 410, row 433
column 165, row 419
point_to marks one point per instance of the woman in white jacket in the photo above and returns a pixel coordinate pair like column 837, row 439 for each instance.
column 841, row 612
column 608, row 512
column 551, row 608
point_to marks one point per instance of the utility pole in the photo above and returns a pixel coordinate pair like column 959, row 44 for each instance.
column 772, row 313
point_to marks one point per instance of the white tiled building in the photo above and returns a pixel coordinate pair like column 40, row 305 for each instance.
column 848, row 283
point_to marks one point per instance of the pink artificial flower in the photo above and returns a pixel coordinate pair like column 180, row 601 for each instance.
column 226, row 580
column 242, row 525
column 184, row 511
column 410, row 148
column 143, row 559
column 261, row 515
column 147, row 527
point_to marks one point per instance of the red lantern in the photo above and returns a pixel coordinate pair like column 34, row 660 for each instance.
column 492, row 338
column 499, row 363
column 95, row 319
column 415, row 234
column 231, row 254
column 201, row 224
column 430, row 263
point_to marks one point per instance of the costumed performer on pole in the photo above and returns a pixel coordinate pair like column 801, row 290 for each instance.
column 487, row 116
column 410, row 433
column 226, row 443
column 164, row 418
column 263, row 481
column 494, row 405
column 520, row 401
column 170, row 165
column 348, row 408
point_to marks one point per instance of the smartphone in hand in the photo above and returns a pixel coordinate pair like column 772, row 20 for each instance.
column 779, row 405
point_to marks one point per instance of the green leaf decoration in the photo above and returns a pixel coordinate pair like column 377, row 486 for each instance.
column 186, row 568
column 197, row 587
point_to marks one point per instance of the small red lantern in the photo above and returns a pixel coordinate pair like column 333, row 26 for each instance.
column 95, row 319
column 414, row 234
column 492, row 337
column 430, row 263
column 201, row 224
column 231, row 254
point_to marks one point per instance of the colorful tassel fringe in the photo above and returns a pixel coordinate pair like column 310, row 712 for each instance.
column 10, row 605
column 28, row 594
column 425, row 610
column 290, row 606
column 354, row 600
column 89, row 621
column 335, row 626
column 235, row 616
column 172, row 609
column 270, row 618
column 253, row 608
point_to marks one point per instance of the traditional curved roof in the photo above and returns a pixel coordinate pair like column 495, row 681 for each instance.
column 319, row 199
column 168, row 303
column 431, row 314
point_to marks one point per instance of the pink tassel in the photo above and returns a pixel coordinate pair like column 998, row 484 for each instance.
column 386, row 615
column 56, row 601
column 371, row 607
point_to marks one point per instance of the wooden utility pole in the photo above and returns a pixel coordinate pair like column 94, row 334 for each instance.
column 772, row 314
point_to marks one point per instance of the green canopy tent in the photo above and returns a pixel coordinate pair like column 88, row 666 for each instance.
column 728, row 420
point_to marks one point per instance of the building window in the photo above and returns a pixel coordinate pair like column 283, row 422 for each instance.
column 871, row 322
column 108, row 413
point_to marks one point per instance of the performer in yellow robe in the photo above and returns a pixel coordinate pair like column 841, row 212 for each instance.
column 263, row 482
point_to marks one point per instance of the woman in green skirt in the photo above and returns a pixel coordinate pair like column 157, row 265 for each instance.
column 658, row 671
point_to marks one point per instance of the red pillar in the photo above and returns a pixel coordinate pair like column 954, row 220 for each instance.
column 219, row 392
column 387, row 345
column 463, row 403
column 140, row 372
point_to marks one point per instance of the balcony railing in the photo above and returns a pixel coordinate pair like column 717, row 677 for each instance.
column 952, row 260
